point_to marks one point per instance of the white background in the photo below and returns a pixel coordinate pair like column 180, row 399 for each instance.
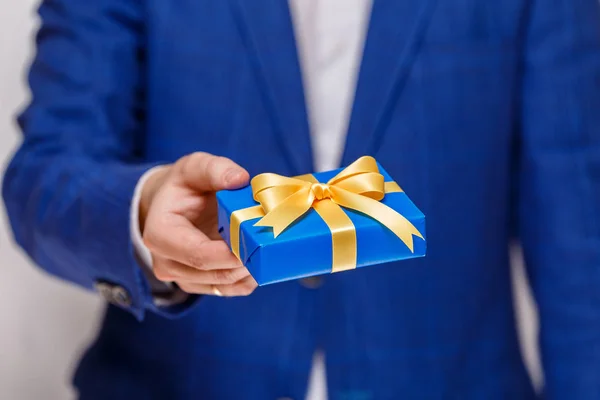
column 46, row 324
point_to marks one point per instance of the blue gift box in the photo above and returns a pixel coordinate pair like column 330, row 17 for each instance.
column 305, row 248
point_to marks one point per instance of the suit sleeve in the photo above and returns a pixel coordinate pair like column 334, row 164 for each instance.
column 559, row 212
column 69, row 187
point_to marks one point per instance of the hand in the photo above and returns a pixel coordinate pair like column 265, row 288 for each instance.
column 178, row 221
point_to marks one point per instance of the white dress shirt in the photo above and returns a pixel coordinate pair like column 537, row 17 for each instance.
column 330, row 37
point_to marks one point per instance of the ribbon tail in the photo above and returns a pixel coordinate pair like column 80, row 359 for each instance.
column 383, row 214
column 288, row 211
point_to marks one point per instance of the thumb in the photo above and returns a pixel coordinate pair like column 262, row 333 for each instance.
column 209, row 173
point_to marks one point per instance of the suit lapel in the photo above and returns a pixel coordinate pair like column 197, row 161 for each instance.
column 266, row 27
column 395, row 32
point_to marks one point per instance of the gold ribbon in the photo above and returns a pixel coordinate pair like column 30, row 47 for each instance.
column 358, row 187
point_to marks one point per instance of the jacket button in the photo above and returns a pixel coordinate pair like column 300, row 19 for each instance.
column 114, row 294
column 313, row 282
column 121, row 297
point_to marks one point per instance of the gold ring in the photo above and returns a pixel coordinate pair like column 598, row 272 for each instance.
column 216, row 291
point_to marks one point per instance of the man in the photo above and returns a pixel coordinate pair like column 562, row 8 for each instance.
column 482, row 111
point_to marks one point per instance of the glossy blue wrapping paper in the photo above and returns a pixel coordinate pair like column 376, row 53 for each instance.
column 305, row 248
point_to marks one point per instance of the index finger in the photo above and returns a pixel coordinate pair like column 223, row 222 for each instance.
column 186, row 244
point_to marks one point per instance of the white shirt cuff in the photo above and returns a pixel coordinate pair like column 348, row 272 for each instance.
column 165, row 293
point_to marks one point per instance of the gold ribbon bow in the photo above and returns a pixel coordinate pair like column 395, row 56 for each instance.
column 358, row 187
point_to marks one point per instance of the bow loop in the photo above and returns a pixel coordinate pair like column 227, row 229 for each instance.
column 369, row 184
column 270, row 190
column 361, row 166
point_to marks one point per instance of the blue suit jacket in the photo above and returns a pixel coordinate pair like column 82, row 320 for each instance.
column 487, row 112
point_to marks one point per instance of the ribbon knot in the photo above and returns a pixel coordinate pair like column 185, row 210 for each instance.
column 321, row 191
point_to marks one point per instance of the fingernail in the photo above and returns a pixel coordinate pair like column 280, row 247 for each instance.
column 216, row 291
